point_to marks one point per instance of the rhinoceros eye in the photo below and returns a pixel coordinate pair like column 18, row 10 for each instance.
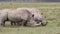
column 33, row 15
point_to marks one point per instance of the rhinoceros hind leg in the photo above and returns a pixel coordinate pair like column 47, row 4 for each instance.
column 3, row 23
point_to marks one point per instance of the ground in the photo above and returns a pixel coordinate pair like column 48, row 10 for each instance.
column 50, row 10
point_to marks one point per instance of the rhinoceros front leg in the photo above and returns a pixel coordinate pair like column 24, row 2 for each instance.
column 24, row 23
column 13, row 23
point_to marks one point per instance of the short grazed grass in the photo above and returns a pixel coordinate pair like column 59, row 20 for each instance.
column 50, row 10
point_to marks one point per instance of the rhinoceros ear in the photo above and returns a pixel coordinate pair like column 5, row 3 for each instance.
column 41, row 13
column 32, row 15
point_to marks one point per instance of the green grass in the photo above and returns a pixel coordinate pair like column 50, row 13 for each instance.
column 50, row 10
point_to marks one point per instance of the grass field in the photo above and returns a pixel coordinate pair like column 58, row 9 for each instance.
column 50, row 10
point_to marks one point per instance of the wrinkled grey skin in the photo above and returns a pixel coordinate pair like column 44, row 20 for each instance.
column 3, row 16
column 17, row 16
column 11, row 15
column 38, row 16
column 0, row 15
column 22, row 16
